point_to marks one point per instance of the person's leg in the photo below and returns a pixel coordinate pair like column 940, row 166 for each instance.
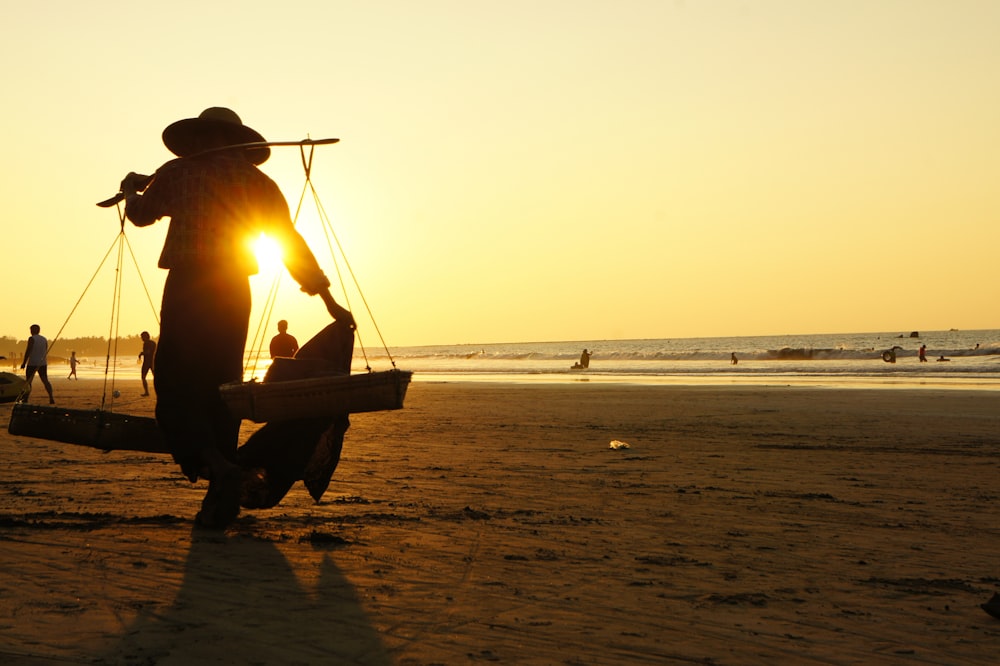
column 29, row 377
column 202, row 336
column 43, row 374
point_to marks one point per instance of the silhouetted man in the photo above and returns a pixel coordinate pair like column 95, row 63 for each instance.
column 283, row 344
column 35, row 361
column 218, row 202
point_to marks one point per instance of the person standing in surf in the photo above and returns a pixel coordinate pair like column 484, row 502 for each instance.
column 218, row 203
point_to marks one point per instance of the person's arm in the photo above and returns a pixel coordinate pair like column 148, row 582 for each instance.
column 27, row 351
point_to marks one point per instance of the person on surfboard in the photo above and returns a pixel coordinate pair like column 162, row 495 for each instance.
column 218, row 202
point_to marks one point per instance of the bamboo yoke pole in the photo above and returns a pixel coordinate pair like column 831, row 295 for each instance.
column 107, row 203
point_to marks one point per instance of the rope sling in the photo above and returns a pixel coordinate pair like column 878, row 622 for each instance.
column 120, row 243
column 334, row 247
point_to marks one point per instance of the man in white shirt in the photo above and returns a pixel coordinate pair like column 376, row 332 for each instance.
column 34, row 359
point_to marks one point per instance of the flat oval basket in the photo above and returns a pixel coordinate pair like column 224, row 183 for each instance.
column 316, row 397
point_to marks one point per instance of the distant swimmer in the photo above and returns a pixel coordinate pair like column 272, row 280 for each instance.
column 889, row 355
column 732, row 359
column 584, row 361
column 942, row 358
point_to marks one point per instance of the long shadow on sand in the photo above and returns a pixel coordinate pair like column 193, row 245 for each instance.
column 241, row 602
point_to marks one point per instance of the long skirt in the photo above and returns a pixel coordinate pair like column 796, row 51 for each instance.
column 203, row 331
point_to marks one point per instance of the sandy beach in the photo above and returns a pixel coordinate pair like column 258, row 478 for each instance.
column 494, row 523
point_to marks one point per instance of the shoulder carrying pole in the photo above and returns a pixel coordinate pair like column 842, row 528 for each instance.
column 108, row 203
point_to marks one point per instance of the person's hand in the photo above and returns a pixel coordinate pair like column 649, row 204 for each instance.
column 22, row 366
column 342, row 315
column 346, row 317
column 336, row 311
column 134, row 182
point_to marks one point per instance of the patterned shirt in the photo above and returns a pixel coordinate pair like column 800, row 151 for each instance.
column 218, row 205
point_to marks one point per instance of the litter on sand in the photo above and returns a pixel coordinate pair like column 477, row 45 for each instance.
column 618, row 444
column 992, row 606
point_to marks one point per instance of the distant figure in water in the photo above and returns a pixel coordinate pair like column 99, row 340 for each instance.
column 889, row 355
column 73, row 362
column 732, row 359
column 283, row 344
column 147, row 355
column 584, row 361
column 942, row 358
column 923, row 353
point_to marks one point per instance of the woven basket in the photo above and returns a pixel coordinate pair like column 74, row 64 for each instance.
column 95, row 428
column 316, row 397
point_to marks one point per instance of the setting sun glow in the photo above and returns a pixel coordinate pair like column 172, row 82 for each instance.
column 268, row 253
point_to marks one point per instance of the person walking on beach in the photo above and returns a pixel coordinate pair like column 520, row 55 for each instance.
column 35, row 361
column 218, row 201
column 283, row 344
column 73, row 362
column 732, row 359
column 147, row 355
column 923, row 353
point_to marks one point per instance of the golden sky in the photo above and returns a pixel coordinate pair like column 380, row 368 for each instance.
column 529, row 170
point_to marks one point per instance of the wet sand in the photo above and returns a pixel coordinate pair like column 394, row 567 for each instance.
column 493, row 523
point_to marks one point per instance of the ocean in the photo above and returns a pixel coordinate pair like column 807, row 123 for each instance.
column 836, row 360
column 842, row 359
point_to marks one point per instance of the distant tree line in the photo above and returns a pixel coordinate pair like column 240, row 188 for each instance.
column 88, row 347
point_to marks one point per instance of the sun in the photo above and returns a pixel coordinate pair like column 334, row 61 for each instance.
column 268, row 253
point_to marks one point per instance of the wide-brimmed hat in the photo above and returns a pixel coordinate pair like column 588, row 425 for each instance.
column 184, row 137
